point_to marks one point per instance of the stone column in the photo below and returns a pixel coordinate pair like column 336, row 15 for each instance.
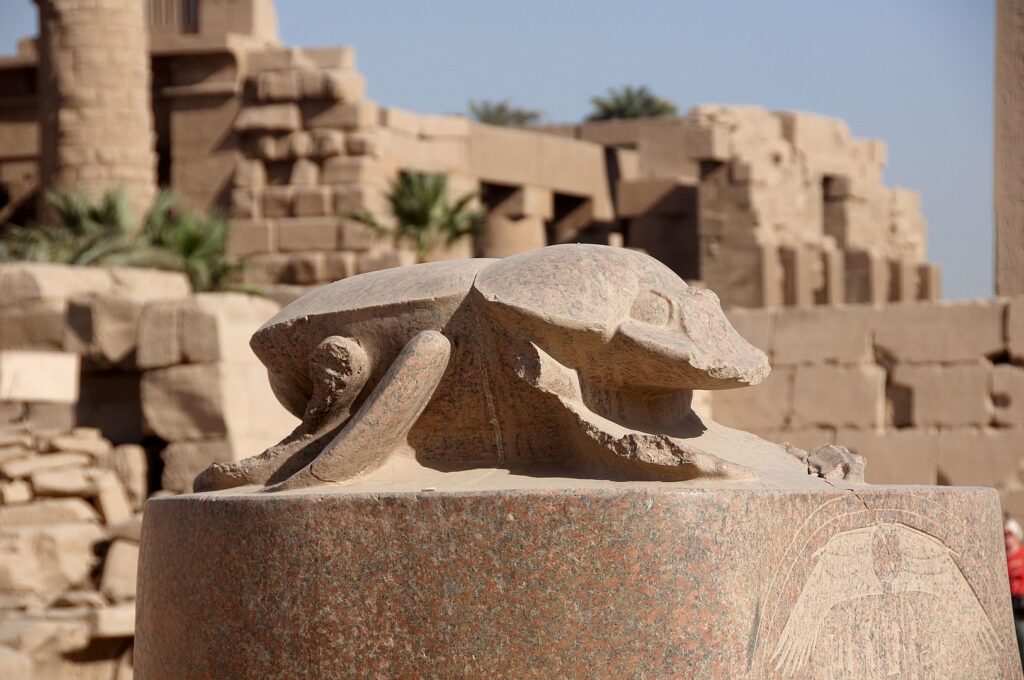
column 1009, row 147
column 94, row 98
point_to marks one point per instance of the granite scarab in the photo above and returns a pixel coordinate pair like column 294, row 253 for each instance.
column 578, row 358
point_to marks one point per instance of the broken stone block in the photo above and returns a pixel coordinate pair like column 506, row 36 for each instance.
column 103, row 327
column 299, row 144
column 38, row 376
column 250, row 173
column 278, row 86
column 113, row 622
column 305, row 173
column 111, row 499
column 43, row 560
column 363, row 144
column 42, row 416
column 82, row 440
column 269, row 118
column 346, row 86
column 130, row 464
column 352, row 170
column 217, row 326
column 14, row 664
column 20, row 468
column 15, row 491
column 129, row 530
column 42, row 637
column 22, row 283
column 76, row 481
column 49, row 511
column 359, row 115
column 311, row 201
column 119, row 571
column 159, row 341
column 836, row 463
column 39, row 325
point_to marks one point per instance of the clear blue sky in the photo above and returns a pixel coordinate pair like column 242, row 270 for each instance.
column 915, row 73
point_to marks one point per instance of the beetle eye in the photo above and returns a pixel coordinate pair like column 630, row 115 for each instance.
column 651, row 308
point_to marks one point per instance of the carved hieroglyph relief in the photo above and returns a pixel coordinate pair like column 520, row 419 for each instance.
column 884, row 599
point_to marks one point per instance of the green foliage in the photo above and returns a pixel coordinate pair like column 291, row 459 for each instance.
column 630, row 102
column 101, row 233
column 423, row 215
column 502, row 113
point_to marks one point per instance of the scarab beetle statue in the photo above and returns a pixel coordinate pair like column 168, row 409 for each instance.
column 577, row 359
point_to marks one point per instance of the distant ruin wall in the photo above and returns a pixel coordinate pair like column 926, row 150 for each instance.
column 929, row 393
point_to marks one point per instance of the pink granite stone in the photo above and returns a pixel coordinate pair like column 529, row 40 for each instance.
column 601, row 581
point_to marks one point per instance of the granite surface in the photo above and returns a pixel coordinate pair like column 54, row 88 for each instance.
column 624, row 581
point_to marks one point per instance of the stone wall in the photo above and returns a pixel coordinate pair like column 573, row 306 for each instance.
column 929, row 393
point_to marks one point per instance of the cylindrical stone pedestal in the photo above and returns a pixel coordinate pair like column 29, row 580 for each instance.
column 94, row 98
column 625, row 581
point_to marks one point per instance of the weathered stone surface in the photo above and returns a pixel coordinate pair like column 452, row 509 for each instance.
column 589, row 567
column 947, row 396
column 1015, row 328
column 112, row 500
column 14, row 664
column 103, row 327
column 56, row 511
column 1008, row 395
column 19, row 468
column 131, row 465
column 269, row 118
column 764, row 407
column 43, row 560
column 14, row 492
column 837, row 396
column 623, row 324
column 941, row 332
column 822, row 334
column 120, row 570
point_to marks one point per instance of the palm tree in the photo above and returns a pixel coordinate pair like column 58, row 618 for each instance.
column 630, row 102
column 101, row 233
column 503, row 113
column 423, row 215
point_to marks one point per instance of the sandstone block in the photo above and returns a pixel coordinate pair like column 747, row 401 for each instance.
column 14, row 664
column 347, row 86
column 757, row 326
column 341, row 265
column 217, row 327
column 130, row 464
column 907, row 456
column 75, row 481
column 359, row 115
column 930, row 281
column 112, row 500
column 15, row 492
column 39, row 325
column 269, row 118
column 24, row 283
column 119, row 571
column 352, row 170
column 249, row 237
column 250, row 173
column 82, row 440
column 305, row 173
column 661, row 196
column 444, row 126
column 43, row 637
column 941, row 332
column 400, row 120
column 183, row 402
column 328, row 142
column 41, row 416
column 1008, row 395
column 354, row 235
column 39, row 376
column 822, row 334
column 350, row 199
column 838, row 396
column 277, row 201
column 183, row 461
column 308, row 233
column 979, row 457
column 113, row 622
column 278, row 86
column 306, row 269
column 340, row 57
column 103, row 327
column 363, row 144
column 245, row 203
column 272, row 147
column 1015, row 328
column 299, row 144
column 312, row 201
column 278, row 59
column 129, row 530
column 45, row 559
column 20, row 468
column 947, row 396
column 149, row 284
column 763, row 407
